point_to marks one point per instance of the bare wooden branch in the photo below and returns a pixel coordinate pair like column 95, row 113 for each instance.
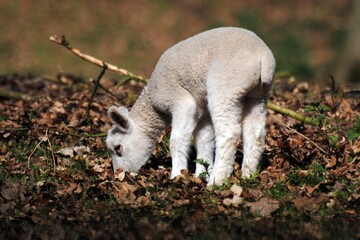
column 97, row 83
column 6, row 93
column 51, row 148
column 292, row 114
column 63, row 42
column 43, row 139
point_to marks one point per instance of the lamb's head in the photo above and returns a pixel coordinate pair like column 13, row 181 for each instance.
column 127, row 144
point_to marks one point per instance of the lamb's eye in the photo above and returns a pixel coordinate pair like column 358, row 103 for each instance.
column 118, row 148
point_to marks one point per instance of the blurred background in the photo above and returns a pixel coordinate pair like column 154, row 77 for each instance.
column 310, row 38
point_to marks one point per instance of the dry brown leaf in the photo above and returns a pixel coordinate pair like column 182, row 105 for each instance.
column 9, row 124
column 181, row 202
column 143, row 201
column 12, row 191
column 264, row 207
column 291, row 188
column 58, row 107
column 123, row 191
column 120, row 175
column 256, row 193
column 3, row 149
column 309, row 203
column 68, row 152
column 236, row 189
column 78, row 189
column 236, row 200
column 351, row 211
column 227, row 201
column 67, row 189
column 310, row 189
column 99, row 168
column 82, row 149
column 330, row 162
column 331, row 203
column 4, row 207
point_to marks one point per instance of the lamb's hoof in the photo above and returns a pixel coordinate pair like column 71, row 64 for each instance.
column 175, row 174
column 213, row 181
column 247, row 173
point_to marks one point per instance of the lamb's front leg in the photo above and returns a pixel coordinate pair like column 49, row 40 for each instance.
column 183, row 125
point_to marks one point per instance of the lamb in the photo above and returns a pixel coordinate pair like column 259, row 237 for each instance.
column 212, row 88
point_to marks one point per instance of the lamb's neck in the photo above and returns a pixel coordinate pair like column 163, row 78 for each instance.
column 148, row 120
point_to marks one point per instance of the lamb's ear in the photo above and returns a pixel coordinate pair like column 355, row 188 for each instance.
column 120, row 117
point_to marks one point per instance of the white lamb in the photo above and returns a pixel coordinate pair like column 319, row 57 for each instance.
column 211, row 87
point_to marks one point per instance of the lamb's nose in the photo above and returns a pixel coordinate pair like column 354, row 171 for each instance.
column 118, row 149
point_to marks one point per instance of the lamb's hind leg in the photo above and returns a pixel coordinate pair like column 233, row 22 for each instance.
column 183, row 125
column 226, row 116
column 204, row 144
column 254, row 132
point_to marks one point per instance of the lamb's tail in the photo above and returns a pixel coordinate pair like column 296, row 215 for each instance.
column 267, row 69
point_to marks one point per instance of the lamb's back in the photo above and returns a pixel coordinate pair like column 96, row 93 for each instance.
column 185, row 65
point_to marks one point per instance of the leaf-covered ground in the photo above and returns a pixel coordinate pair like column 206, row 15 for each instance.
column 54, row 168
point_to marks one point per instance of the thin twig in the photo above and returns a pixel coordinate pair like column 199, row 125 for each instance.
column 63, row 42
column 51, row 148
column 93, row 81
column 85, row 135
column 334, row 106
column 6, row 93
column 15, row 129
column 43, row 139
column 302, row 135
column 87, row 116
column 292, row 114
column 56, row 130
column 123, row 81
column 355, row 158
